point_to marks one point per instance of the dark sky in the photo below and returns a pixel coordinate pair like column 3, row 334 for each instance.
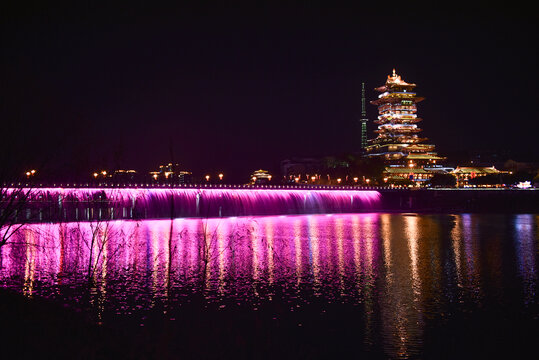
column 237, row 88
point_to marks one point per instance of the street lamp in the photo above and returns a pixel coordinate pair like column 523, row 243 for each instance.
column 207, row 177
column 30, row 173
column 221, row 176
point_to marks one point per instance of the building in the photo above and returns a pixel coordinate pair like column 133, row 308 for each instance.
column 398, row 141
column 171, row 173
column 125, row 176
column 466, row 173
column 260, row 177
column 302, row 169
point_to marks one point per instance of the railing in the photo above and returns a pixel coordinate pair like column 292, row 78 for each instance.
column 106, row 185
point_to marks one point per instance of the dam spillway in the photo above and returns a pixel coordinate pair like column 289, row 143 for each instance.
column 87, row 204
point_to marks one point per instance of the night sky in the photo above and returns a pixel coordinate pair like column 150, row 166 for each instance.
column 239, row 88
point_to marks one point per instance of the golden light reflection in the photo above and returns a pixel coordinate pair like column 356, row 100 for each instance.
column 399, row 308
column 456, row 241
column 385, row 223
column 471, row 253
column 411, row 223
column 370, row 238
column 30, row 263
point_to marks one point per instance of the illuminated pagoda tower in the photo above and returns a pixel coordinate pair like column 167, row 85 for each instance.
column 398, row 139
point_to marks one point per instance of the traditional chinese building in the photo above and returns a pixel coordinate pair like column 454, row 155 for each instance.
column 465, row 174
column 398, row 140
column 260, row 177
column 398, row 137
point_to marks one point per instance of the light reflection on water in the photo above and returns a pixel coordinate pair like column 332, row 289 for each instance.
column 404, row 270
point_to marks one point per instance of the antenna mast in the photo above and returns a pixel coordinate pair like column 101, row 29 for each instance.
column 363, row 119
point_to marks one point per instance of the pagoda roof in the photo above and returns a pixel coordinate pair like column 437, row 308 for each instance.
column 394, row 81
column 477, row 170
column 413, row 156
column 395, row 99
column 405, row 170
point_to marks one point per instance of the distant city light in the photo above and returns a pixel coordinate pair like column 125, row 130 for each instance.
column 30, row 173
column 207, row 177
column 524, row 185
column 221, row 176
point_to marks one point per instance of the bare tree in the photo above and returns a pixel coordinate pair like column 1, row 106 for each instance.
column 13, row 203
column 101, row 240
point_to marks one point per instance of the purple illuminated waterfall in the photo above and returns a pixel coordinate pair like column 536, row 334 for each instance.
column 72, row 204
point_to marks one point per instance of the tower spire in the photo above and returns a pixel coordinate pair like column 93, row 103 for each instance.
column 363, row 118
column 363, row 111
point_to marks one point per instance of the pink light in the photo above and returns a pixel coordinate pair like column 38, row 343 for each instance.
column 204, row 202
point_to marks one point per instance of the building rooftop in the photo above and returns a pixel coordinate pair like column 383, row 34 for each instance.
column 476, row 170
column 394, row 81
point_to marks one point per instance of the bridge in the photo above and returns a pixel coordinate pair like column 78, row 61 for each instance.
column 110, row 201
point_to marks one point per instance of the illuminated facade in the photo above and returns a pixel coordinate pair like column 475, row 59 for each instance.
column 171, row 173
column 260, row 177
column 466, row 173
column 398, row 140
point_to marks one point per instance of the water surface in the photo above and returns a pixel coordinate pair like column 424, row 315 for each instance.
column 394, row 285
